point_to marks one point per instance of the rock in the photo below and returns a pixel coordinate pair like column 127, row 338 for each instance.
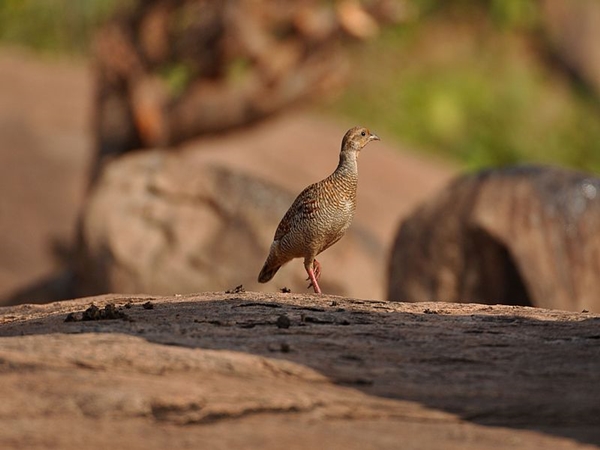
column 160, row 222
column 525, row 235
column 193, row 370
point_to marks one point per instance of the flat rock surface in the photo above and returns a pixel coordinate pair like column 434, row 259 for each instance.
column 254, row 370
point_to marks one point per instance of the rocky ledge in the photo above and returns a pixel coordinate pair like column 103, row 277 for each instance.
column 253, row 370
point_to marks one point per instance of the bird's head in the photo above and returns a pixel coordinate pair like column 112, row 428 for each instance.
column 356, row 138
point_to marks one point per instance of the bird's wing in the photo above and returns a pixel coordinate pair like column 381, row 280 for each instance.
column 303, row 208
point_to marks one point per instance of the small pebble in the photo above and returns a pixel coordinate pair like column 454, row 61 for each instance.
column 237, row 290
column 71, row 317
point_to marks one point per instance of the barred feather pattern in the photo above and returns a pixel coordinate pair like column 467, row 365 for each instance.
column 321, row 213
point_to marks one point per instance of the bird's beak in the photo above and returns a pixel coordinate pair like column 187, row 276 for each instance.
column 374, row 137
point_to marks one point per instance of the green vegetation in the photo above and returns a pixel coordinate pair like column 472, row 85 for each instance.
column 53, row 26
column 472, row 84
column 466, row 80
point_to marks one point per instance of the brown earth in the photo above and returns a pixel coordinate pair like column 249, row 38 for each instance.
column 256, row 370
column 44, row 152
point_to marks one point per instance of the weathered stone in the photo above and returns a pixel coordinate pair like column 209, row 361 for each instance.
column 215, row 369
column 525, row 235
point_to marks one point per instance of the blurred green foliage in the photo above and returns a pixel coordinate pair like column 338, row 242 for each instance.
column 472, row 83
column 466, row 79
column 53, row 25
column 176, row 77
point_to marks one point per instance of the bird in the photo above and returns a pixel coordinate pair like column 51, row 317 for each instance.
column 320, row 215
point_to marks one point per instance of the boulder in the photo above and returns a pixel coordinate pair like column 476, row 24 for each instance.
column 161, row 222
column 522, row 235
column 218, row 370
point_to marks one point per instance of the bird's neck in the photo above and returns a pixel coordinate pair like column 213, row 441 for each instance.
column 348, row 163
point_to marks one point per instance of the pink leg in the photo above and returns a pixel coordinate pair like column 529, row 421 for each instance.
column 313, row 269
column 313, row 281
column 317, row 266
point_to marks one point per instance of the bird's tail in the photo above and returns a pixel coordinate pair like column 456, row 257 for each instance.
column 267, row 272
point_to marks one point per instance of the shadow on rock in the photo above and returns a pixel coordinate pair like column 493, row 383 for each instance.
column 503, row 366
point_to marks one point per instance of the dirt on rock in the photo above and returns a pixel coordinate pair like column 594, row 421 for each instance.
column 255, row 370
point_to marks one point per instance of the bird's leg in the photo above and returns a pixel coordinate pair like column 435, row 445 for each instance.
column 313, row 281
column 316, row 272
column 317, row 266
column 312, row 270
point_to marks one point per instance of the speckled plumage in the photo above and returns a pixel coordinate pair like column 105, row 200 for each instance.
column 320, row 215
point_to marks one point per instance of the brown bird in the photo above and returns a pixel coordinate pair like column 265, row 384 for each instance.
column 320, row 215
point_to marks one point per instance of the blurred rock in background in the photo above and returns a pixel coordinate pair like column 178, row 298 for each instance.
column 523, row 236
column 161, row 221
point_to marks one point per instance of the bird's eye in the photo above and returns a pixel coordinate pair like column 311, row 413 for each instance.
column 363, row 133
